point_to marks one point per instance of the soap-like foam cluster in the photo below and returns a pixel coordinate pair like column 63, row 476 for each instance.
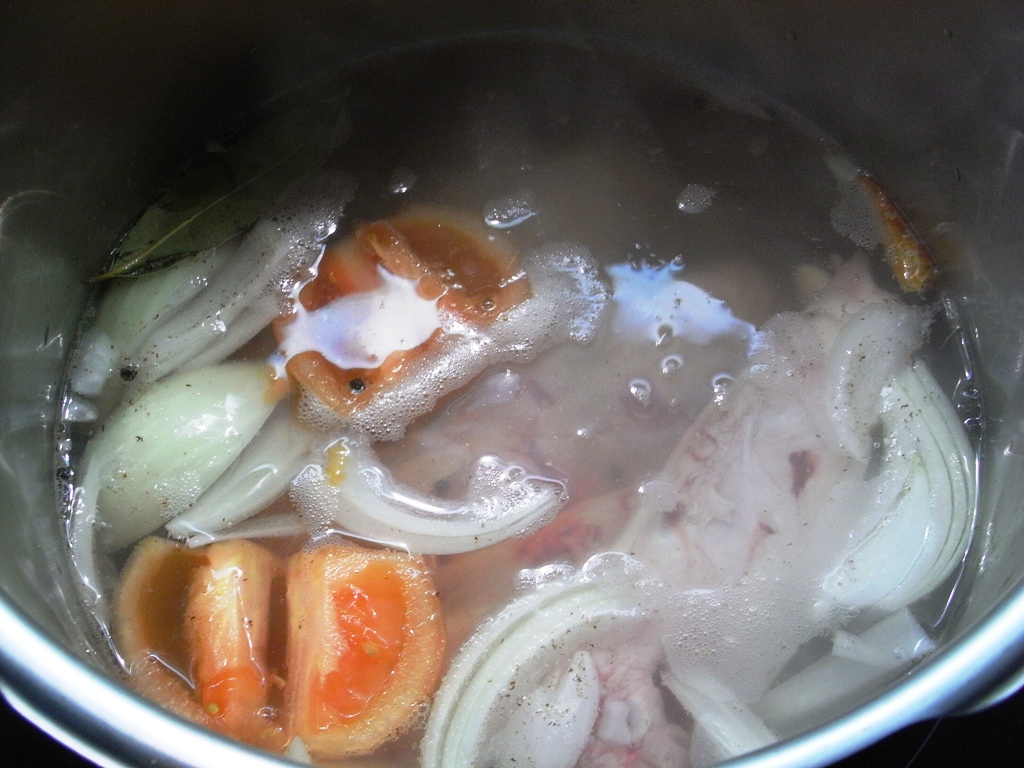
column 568, row 300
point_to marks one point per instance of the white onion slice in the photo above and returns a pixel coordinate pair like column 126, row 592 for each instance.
column 530, row 642
column 834, row 683
column 206, row 330
column 922, row 536
column 264, row 527
column 261, row 474
column 892, row 643
column 155, row 455
column 869, row 350
column 724, row 727
column 550, row 725
column 503, row 501
column 132, row 309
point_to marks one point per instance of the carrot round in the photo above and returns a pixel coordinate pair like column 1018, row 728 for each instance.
column 201, row 634
column 148, row 630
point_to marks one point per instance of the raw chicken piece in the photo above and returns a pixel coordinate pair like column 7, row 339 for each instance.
column 835, row 477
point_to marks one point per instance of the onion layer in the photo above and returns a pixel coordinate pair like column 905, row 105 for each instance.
column 362, row 498
column 521, row 663
column 920, row 538
column 157, row 453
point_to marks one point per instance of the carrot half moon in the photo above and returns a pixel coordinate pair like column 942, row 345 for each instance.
column 366, row 647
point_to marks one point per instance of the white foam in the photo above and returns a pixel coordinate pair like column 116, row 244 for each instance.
column 360, row 330
column 695, row 198
column 852, row 216
column 511, row 210
column 567, row 303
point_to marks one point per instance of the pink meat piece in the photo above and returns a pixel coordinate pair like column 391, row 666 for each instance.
column 632, row 729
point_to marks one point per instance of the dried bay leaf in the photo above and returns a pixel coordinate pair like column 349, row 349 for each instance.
column 226, row 190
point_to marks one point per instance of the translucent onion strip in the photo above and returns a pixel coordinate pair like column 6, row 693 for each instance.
column 551, row 724
column 724, row 727
column 858, row 663
column 527, row 649
column 922, row 536
column 362, row 498
column 280, row 525
column 207, row 329
column 869, row 350
column 261, row 474
column 134, row 308
column 155, row 455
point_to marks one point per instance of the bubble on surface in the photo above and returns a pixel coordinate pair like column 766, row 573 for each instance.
column 641, row 392
column 695, row 198
column 671, row 364
column 721, row 385
column 505, row 212
column 402, row 181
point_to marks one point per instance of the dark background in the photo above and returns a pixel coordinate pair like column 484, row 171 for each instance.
column 992, row 738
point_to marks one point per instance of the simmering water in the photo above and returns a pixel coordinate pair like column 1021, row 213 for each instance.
column 695, row 223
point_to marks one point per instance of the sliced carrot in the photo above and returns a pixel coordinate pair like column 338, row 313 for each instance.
column 228, row 620
column 454, row 257
column 344, row 390
column 365, row 641
column 366, row 647
column 151, row 678
column 151, row 600
column 346, row 267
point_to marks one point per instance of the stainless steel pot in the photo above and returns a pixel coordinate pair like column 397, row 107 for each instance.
column 101, row 101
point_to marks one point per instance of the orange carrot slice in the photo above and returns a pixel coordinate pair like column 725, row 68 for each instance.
column 344, row 390
column 228, row 625
column 366, row 646
column 455, row 259
column 346, row 267
column 366, row 643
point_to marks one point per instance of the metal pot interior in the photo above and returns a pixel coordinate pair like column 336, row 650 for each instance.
column 99, row 107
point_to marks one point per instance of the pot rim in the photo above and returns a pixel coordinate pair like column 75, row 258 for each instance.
column 88, row 711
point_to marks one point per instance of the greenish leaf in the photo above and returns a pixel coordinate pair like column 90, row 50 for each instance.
column 226, row 191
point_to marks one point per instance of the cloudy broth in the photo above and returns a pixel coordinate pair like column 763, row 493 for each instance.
column 722, row 240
